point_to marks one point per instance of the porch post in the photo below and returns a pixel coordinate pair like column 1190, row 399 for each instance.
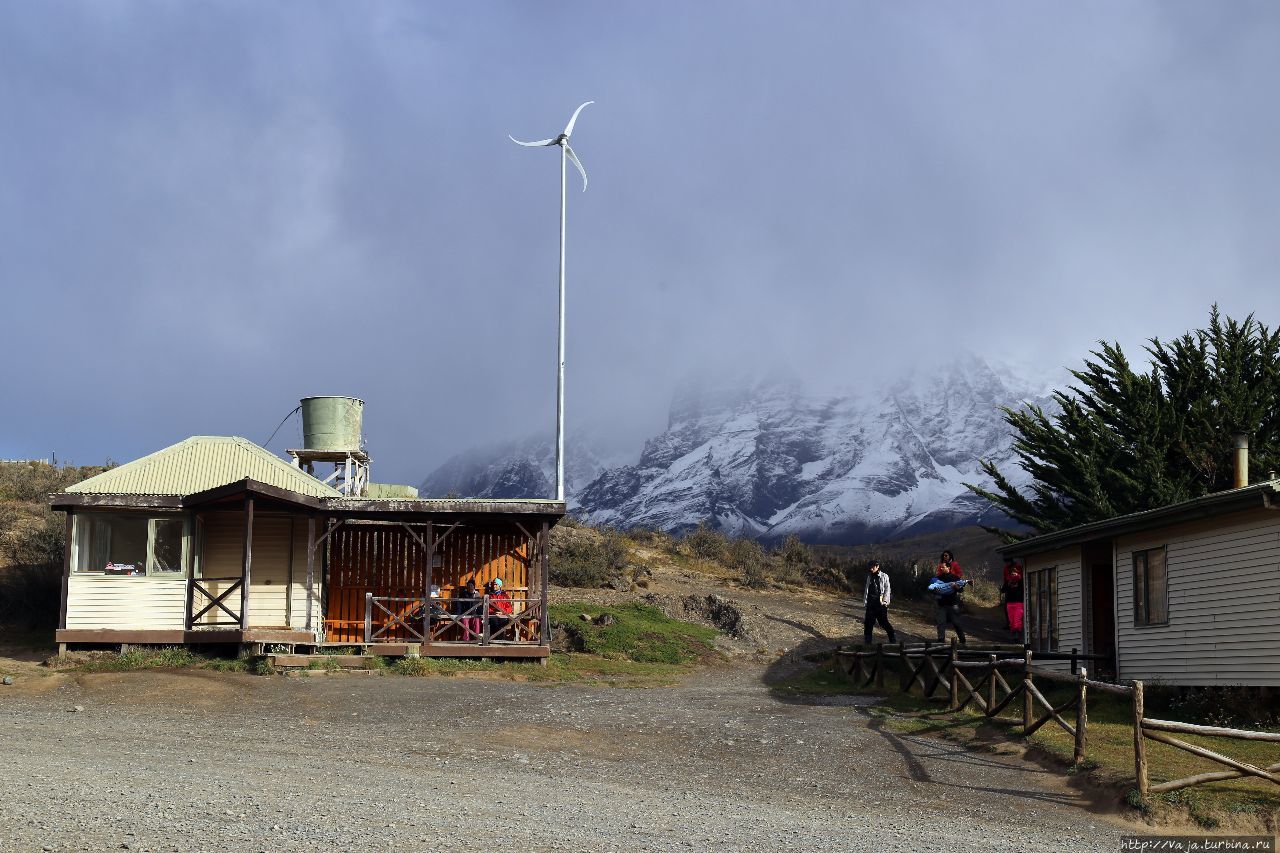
column 66, row 571
column 191, row 573
column 431, row 576
column 248, row 563
column 311, row 564
column 544, row 625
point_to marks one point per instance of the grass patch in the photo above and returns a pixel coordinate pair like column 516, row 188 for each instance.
column 823, row 680
column 636, row 632
column 171, row 657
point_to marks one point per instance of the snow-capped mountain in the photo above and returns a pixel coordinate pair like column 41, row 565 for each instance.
column 766, row 458
column 517, row 469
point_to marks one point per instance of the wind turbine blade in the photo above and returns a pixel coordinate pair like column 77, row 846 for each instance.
column 541, row 143
column 574, row 157
column 568, row 128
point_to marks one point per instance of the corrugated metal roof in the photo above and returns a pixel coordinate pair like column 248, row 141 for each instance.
column 203, row 462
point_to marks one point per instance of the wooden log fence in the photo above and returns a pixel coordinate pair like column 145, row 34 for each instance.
column 982, row 683
column 1145, row 728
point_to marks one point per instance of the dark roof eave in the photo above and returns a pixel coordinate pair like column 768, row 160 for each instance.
column 1208, row 506
column 327, row 506
column 444, row 506
column 89, row 500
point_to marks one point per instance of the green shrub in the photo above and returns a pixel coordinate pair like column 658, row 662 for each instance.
column 706, row 542
column 746, row 557
column 586, row 561
column 794, row 552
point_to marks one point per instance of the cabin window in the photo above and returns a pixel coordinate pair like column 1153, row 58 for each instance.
column 126, row 545
column 1042, row 609
column 1150, row 587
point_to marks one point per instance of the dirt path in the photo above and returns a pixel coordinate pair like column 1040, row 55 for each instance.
column 205, row 761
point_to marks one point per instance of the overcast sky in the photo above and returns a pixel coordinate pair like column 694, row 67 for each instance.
column 209, row 210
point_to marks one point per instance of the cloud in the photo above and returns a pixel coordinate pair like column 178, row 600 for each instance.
column 207, row 212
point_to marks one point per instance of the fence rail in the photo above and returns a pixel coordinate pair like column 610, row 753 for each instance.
column 981, row 683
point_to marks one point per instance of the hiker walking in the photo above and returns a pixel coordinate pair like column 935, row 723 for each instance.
column 875, row 597
column 946, row 589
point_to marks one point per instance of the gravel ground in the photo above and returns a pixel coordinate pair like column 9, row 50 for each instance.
column 207, row 761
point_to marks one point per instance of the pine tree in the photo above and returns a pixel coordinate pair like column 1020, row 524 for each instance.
column 1124, row 441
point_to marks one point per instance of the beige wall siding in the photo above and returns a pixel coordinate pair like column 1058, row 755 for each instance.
column 279, row 541
column 100, row 601
column 1224, row 612
column 1070, row 598
column 299, row 610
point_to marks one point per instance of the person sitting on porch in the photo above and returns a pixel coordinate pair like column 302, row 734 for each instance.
column 466, row 598
column 500, row 607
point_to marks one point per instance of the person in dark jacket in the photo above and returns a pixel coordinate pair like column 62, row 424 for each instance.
column 1012, row 592
column 876, row 595
column 946, row 589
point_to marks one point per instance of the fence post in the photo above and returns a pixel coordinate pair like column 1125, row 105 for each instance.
column 368, row 617
column 1082, row 715
column 880, row 665
column 1139, row 742
column 991, row 683
column 904, row 686
column 953, row 698
column 1026, row 692
column 484, row 612
column 861, row 673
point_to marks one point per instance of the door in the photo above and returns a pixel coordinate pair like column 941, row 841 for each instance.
column 1102, row 612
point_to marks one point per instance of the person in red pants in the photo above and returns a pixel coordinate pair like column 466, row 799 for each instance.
column 1013, row 603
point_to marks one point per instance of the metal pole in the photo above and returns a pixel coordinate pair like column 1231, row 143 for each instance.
column 564, row 161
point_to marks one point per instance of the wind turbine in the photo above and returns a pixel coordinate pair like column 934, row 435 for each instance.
column 566, row 154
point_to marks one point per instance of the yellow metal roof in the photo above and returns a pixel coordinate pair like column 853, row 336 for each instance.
column 200, row 463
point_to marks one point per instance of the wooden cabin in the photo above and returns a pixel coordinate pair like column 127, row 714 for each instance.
column 215, row 540
column 1185, row 595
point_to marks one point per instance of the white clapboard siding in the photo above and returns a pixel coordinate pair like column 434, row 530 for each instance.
column 120, row 603
column 298, row 615
column 222, row 555
column 1224, row 605
column 1070, row 596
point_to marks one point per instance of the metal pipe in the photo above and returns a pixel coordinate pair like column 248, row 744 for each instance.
column 564, row 162
column 1241, row 444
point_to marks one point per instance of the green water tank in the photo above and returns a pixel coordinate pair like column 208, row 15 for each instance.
column 391, row 491
column 331, row 423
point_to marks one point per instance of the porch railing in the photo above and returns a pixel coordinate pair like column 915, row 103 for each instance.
column 199, row 586
column 478, row 621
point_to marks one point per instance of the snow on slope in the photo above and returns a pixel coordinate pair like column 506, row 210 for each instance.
column 765, row 458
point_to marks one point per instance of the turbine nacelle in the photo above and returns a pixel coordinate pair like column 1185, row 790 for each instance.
column 563, row 142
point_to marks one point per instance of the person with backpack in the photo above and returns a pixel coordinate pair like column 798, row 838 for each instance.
column 1013, row 595
column 946, row 589
column 875, row 598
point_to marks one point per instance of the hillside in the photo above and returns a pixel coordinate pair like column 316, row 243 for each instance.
column 31, row 537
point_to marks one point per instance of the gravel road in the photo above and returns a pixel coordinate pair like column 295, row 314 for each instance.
column 208, row 761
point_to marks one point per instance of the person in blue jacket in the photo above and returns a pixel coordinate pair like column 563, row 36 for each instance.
column 946, row 589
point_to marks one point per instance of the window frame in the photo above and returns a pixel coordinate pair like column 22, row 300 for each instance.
column 1040, row 588
column 81, row 522
column 1142, row 601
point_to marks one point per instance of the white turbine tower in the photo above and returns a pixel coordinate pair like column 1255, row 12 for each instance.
column 566, row 154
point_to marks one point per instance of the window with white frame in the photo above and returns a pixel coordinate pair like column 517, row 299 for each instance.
column 1150, row 587
column 129, row 545
column 1042, row 609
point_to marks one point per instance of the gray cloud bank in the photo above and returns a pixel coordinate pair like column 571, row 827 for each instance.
column 210, row 210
